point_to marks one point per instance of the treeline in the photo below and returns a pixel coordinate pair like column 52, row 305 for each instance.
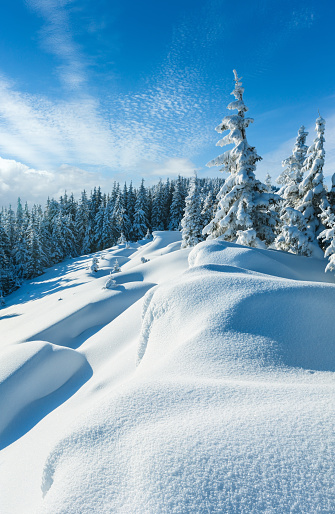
column 34, row 239
column 298, row 218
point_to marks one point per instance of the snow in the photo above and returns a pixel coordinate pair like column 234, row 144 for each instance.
column 203, row 382
column 28, row 373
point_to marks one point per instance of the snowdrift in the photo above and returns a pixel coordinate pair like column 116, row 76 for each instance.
column 219, row 400
column 29, row 374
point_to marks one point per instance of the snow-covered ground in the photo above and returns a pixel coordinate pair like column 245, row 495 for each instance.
column 202, row 382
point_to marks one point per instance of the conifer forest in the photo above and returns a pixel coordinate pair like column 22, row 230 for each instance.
column 296, row 214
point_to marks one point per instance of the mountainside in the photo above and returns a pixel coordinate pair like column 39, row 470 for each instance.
column 203, row 381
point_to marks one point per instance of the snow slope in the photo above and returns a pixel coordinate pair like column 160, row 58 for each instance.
column 205, row 386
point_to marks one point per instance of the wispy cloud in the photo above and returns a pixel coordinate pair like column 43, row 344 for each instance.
column 56, row 38
column 166, row 119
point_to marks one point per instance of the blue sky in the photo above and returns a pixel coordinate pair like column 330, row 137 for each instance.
column 97, row 90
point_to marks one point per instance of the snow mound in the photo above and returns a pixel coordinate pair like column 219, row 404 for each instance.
column 275, row 263
column 231, row 407
column 162, row 244
column 243, row 320
column 29, row 372
column 73, row 329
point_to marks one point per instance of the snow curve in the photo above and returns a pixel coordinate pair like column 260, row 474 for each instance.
column 31, row 372
column 231, row 406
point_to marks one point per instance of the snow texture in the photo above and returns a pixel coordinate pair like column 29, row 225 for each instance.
column 212, row 389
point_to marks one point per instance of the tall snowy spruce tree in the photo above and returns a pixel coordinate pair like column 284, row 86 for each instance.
column 293, row 235
column 312, row 194
column 243, row 214
column 293, row 164
column 177, row 205
column 140, row 225
column 327, row 237
column 192, row 222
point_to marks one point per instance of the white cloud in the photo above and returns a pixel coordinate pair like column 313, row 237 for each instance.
column 170, row 168
column 18, row 180
column 36, row 185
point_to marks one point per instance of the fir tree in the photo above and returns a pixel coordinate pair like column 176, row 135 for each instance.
column 120, row 217
column 294, row 236
column 94, row 265
column 331, row 195
column 116, row 267
column 140, row 226
column 243, row 201
column 312, row 194
column 209, row 207
column 131, row 200
column 36, row 255
column 111, row 283
column 327, row 237
column 268, row 182
column 99, row 228
column 177, row 205
column 293, row 233
column 293, row 164
column 192, row 222
column 20, row 249
column 157, row 213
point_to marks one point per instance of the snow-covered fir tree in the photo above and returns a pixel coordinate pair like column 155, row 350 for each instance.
column 98, row 227
column 116, row 267
column 35, row 265
column 209, row 206
column 293, row 164
column 192, row 222
column 120, row 216
column 94, row 265
column 268, row 182
column 244, row 202
column 294, row 236
column 148, row 235
column 331, row 195
column 312, row 194
column 122, row 239
column 131, row 200
column 158, row 209
column 20, row 247
column 177, row 205
column 111, row 283
column 327, row 237
column 109, row 234
column 140, row 224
